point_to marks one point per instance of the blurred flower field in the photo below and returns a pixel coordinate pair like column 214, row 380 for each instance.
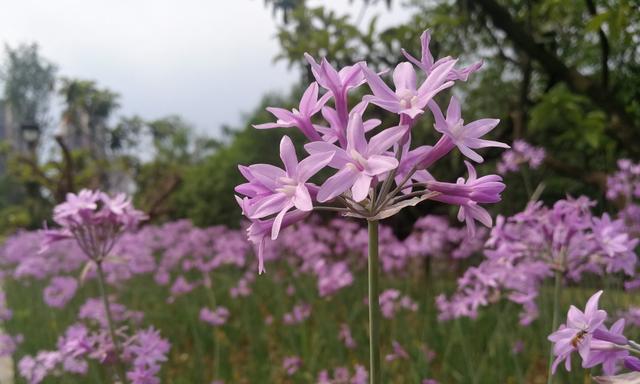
column 304, row 321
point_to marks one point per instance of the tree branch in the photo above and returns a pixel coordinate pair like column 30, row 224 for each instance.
column 604, row 46
column 622, row 124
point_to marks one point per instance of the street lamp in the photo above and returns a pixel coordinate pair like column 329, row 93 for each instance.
column 30, row 135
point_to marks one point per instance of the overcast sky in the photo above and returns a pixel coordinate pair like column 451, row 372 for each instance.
column 207, row 60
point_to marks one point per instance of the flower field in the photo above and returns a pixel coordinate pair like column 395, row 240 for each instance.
column 305, row 320
column 378, row 225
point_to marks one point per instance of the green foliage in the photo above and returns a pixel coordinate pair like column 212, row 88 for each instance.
column 250, row 351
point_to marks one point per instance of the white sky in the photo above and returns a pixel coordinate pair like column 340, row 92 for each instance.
column 207, row 60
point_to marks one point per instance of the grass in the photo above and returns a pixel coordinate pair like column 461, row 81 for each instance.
column 247, row 350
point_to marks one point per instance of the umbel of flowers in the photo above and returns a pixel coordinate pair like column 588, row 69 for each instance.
column 377, row 172
column 96, row 221
column 586, row 334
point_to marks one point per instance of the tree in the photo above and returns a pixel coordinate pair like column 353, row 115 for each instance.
column 29, row 81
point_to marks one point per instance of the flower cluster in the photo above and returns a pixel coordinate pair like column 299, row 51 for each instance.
column 89, row 340
column 341, row 375
column 520, row 153
column 95, row 220
column 525, row 249
column 377, row 171
column 624, row 186
column 586, row 333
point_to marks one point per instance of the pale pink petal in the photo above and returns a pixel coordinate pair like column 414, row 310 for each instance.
column 302, row 198
column 309, row 99
column 268, row 205
column 453, row 111
column 436, row 78
column 404, row 77
column 379, row 164
column 277, row 223
column 282, row 114
column 592, row 304
column 355, row 134
column 288, row 155
column 340, row 157
column 378, row 87
column 360, row 188
column 480, row 127
column 312, row 164
column 337, row 184
column 385, row 140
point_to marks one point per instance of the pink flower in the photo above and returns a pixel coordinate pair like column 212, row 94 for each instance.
column 217, row 317
column 427, row 64
column 465, row 137
column 408, row 99
column 360, row 162
column 577, row 333
column 301, row 118
column 272, row 190
column 468, row 194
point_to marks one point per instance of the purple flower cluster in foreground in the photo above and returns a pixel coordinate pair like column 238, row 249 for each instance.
column 527, row 248
column 377, row 173
column 585, row 332
column 521, row 153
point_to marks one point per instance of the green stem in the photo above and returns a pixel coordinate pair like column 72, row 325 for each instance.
column 216, row 340
column 554, row 323
column 374, row 306
column 112, row 330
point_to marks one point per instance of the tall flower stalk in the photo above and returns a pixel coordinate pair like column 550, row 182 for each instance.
column 374, row 305
column 556, row 317
column 96, row 221
column 377, row 173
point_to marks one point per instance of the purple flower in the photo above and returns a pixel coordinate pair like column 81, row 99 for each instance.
column 360, row 162
column 468, row 194
column 216, row 318
column 338, row 83
column 521, row 153
column 144, row 374
column 465, row 137
column 275, row 191
column 301, row 118
column 95, row 220
column 427, row 63
column 345, row 336
column 577, row 333
column 148, row 348
column 291, row 364
column 408, row 99
column 61, row 289
column 398, row 352
column 604, row 351
column 299, row 314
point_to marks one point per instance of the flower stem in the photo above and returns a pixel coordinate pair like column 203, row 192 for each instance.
column 374, row 310
column 554, row 322
column 112, row 330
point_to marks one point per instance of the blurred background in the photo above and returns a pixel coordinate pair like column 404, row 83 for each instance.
column 157, row 98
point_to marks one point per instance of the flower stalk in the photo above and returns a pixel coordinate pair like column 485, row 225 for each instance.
column 120, row 370
column 555, row 319
column 374, row 306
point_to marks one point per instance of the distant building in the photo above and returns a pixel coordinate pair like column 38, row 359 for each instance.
column 81, row 131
